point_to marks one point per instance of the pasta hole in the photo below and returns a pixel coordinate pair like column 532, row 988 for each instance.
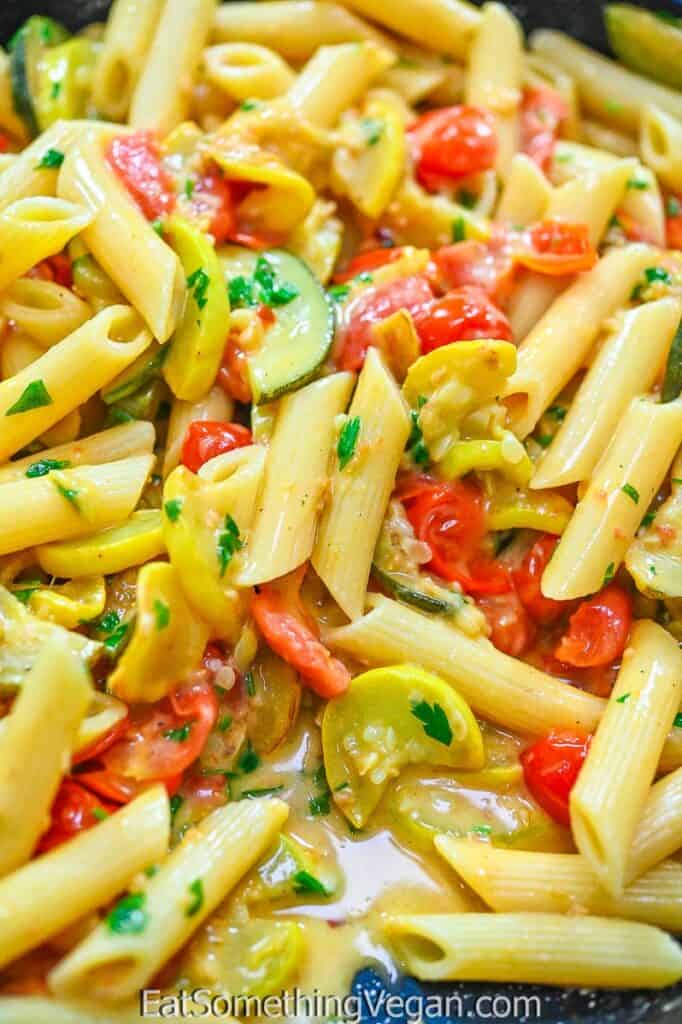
column 418, row 949
column 125, row 327
column 107, row 977
column 118, row 81
column 657, row 138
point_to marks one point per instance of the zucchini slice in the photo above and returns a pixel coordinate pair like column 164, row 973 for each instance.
column 650, row 43
column 27, row 48
column 298, row 342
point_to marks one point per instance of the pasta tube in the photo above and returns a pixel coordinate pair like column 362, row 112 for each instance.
column 246, row 70
column 525, row 195
column 627, row 364
column 621, row 488
column 608, row 798
column 334, row 78
column 295, row 479
column 557, row 346
column 54, row 698
column 190, row 884
column 511, row 881
column 29, row 174
column 369, row 450
column 150, row 276
column 67, row 375
column 127, row 37
column 46, row 311
column 32, row 229
column 660, row 143
column 40, row 899
column 446, row 26
column 659, row 831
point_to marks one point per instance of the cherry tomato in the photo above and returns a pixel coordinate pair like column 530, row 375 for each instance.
column 212, row 195
column 4, row 142
column 207, row 438
column 55, row 268
column 674, row 221
column 161, row 741
column 551, row 767
column 375, row 304
column 462, row 314
column 102, row 743
column 453, row 142
column 366, row 262
column 527, row 579
column 511, row 628
column 557, row 247
column 542, row 113
column 233, row 375
column 450, row 518
column 74, row 810
column 136, row 158
column 598, row 631
column 488, row 265
column 285, row 630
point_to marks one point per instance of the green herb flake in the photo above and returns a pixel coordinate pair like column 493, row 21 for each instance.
column 69, row 493
column 229, row 542
column 434, row 720
column 557, row 412
column 648, row 519
column 481, row 830
column 248, row 760
column 114, row 641
column 196, row 892
column 129, row 916
column 198, row 282
column 162, row 614
column 240, row 292
column 152, row 869
column 43, row 467
column 348, row 439
column 99, row 813
column 176, row 802
column 416, row 448
column 339, row 292
column 271, row 291
column 224, row 723
column 55, row 90
column 613, row 106
column 23, row 594
column 254, row 794
column 544, row 440
column 179, row 735
column 319, row 805
column 190, row 185
column 34, row 396
column 249, row 105
column 653, row 274
column 673, row 206
column 609, row 574
column 250, row 684
column 638, row 184
column 341, row 786
column 678, row 720
column 173, row 508
column 676, row 480
column 624, row 699
column 372, row 129
column 304, row 882
column 364, row 278
column 157, row 225
column 51, row 158
column 459, row 230
column 631, row 492
column 467, row 199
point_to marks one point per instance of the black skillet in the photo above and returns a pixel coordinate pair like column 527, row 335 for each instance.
column 496, row 1003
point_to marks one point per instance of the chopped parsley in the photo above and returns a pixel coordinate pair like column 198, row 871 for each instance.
column 637, row 183
column 624, row 699
column 631, row 492
column 557, row 412
column 152, row 869
column 339, row 292
column 179, row 735
column 240, row 292
column 24, row 592
column 43, row 467
column 319, row 805
column 348, row 439
column 198, row 282
column 253, row 794
column 467, row 199
column 341, row 786
column 372, row 129
column 249, row 683
column 129, row 916
column 190, row 185
column 613, row 106
column 248, row 759
column 51, row 158
column 272, row 291
column 173, row 508
column 196, row 891
column 229, row 542
column 610, row 573
column 34, row 396
column 434, row 721
column 249, row 105
column 651, row 275
column 673, row 207
column 162, row 613
column 544, row 440
column 481, row 830
column 415, row 442
column 157, row 225
column 364, row 277
column 304, row 882
column 99, row 813
column 176, row 802
column 675, row 480
column 69, row 493
column 678, row 720
column 648, row 518
column 224, row 723
column 113, row 642
column 459, row 230
column 55, row 90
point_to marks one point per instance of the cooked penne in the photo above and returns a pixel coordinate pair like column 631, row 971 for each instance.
column 660, row 145
column 446, row 26
column 127, row 38
column 333, row 79
column 659, row 830
column 247, row 71
column 34, row 173
column 194, row 879
column 46, row 311
column 33, row 228
column 525, row 195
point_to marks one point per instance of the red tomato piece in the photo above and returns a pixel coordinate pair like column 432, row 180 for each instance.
column 374, row 305
column 212, row 195
column 452, row 143
column 136, row 159
column 4, row 142
column 462, row 314
column 74, row 810
column 551, row 767
column 557, row 247
column 511, row 628
column 598, row 631
column 527, row 580
column 450, row 518
column 207, row 438
column 366, row 262
column 233, row 375
column 674, row 221
column 102, row 743
column 542, row 114
column 487, row 265
column 287, row 633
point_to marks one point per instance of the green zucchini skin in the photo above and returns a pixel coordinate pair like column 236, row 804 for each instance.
column 408, row 592
column 26, row 49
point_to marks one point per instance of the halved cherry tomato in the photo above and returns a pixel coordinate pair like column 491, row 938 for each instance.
column 551, row 767
column 136, row 159
column 212, row 195
column 4, row 142
column 55, row 268
column 233, row 375
column 285, row 630
column 542, row 113
column 527, row 579
column 462, row 314
column 161, row 741
column 598, row 631
column 365, row 262
column 74, row 810
column 450, row 518
column 452, row 143
column 674, row 221
column 557, row 247
column 511, row 629
column 102, row 743
column 375, row 304
column 488, row 265
column 207, row 438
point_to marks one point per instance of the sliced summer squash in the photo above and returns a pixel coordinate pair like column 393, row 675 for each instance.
column 27, row 49
column 247, row 958
column 274, row 702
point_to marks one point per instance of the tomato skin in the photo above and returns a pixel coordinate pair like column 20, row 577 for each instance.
column 102, row 743
column 286, row 632
column 136, row 159
column 550, row 769
column 674, row 222
column 512, row 631
column 366, row 262
column 233, row 375
column 212, row 195
column 374, row 305
column 543, row 111
column 207, row 438
column 527, row 580
column 73, row 811
column 452, row 143
column 598, row 631
column 557, row 247
column 462, row 314
column 487, row 265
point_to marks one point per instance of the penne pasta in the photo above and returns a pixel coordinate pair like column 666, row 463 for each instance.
column 446, row 26
column 660, row 145
column 333, row 79
column 46, row 311
column 33, row 228
column 247, row 71
column 659, row 830
column 525, row 195
column 127, row 38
